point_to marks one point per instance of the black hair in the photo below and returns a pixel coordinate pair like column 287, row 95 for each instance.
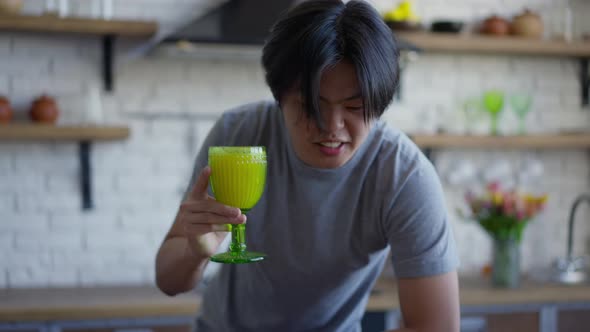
column 316, row 35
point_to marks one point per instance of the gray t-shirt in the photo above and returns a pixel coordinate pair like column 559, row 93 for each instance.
column 327, row 232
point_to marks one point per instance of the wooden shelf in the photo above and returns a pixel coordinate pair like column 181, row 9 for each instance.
column 549, row 141
column 78, row 25
column 446, row 42
column 61, row 133
column 83, row 135
column 109, row 30
column 505, row 45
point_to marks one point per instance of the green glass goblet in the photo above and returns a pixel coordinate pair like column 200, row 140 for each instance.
column 238, row 177
column 493, row 101
column 521, row 106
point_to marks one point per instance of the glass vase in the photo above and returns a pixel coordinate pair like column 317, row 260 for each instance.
column 506, row 264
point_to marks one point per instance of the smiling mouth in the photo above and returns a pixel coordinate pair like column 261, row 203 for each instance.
column 331, row 145
column 331, row 148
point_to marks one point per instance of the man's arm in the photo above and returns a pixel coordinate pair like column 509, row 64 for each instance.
column 198, row 230
column 177, row 271
column 430, row 303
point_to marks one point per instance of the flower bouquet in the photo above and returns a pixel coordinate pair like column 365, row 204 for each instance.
column 504, row 214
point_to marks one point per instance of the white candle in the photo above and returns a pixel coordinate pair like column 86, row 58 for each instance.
column 50, row 7
column 107, row 9
column 63, row 8
column 567, row 22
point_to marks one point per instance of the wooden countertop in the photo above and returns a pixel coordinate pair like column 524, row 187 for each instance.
column 92, row 303
column 478, row 292
column 129, row 302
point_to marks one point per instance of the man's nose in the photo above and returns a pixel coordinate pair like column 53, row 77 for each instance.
column 333, row 118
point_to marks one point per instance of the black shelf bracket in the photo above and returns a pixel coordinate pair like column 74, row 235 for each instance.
column 585, row 80
column 428, row 153
column 85, row 175
column 108, row 47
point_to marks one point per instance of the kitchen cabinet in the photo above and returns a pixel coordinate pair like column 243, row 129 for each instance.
column 509, row 322
column 159, row 324
column 163, row 324
column 538, row 307
column 474, row 319
column 140, row 328
column 524, row 317
column 534, row 306
column 574, row 320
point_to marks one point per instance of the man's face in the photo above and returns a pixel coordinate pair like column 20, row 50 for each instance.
column 341, row 109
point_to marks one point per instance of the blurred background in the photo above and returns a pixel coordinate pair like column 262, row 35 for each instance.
column 169, row 92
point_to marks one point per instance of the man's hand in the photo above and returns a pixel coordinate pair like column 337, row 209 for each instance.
column 197, row 232
column 204, row 220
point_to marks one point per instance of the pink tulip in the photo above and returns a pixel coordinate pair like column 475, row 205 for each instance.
column 508, row 208
column 494, row 186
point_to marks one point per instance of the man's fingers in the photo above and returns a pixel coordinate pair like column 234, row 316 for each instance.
column 209, row 206
column 199, row 190
column 211, row 218
column 201, row 229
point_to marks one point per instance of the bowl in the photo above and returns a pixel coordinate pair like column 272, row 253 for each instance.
column 404, row 25
column 446, row 26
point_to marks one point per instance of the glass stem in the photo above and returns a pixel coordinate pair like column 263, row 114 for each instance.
column 521, row 128
column 238, row 237
column 494, row 124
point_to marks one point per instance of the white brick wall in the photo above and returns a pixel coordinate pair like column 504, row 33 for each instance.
column 13, row 223
column 7, row 202
column 4, row 82
column 47, row 241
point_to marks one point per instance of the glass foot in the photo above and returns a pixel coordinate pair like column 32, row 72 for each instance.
column 238, row 257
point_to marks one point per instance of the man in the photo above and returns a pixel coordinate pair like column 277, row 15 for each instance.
column 343, row 189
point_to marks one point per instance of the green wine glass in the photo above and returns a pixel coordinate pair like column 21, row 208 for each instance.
column 238, row 177
column 493, row 101
column 521, row 105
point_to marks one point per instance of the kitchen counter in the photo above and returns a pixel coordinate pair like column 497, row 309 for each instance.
column 478, row 292
column 92, row 303
column 126, row 302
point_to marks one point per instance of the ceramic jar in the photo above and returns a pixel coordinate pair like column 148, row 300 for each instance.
column 6, row 112
column 528, row 24
column 495, row 26
column 44, row 110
